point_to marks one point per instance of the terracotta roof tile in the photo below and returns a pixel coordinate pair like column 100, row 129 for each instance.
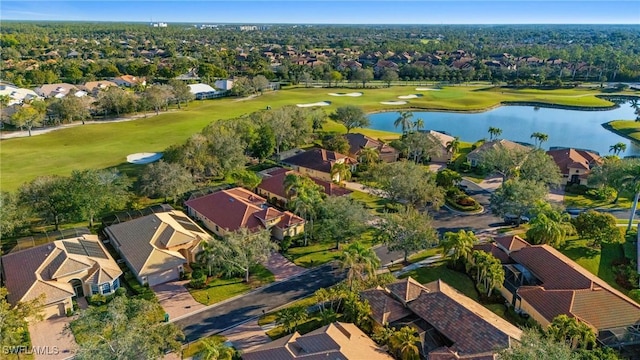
column 511, row 242
column 406, row 289
column 384, row 308
column 318, row 159
column 274, row 183
column 573, row 158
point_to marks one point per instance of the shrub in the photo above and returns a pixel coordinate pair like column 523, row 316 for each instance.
column 97, row 300
column 576, row 189
column 69, row 312
column 466, row 201
column 393, row 207
column 603, row 193
column 285, row 244
column 198, row 280
column 121, row 291
column 185, row 275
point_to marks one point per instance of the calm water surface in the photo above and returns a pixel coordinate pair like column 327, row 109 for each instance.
column 570, row 128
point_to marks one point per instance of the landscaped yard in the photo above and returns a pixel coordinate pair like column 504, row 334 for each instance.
column 586, row 202
column 627, row 128
column 107, row 144
column 457, row 280
column 320, row 252
column 376, row 204
column 220, row 289
column 191, row 349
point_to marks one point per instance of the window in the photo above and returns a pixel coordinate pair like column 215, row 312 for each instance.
column 106, row 288
column 95, row 289
column 116, row 284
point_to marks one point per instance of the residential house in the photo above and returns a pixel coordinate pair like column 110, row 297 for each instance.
column 17, row 95
column 317, row 163
column 58, row 90
column 224, row 84
column 192, row 74
column 129, row 81
column 475, row 156
column 272, row 186
column 575, row 164
column 60, row 271
column 204, row 91
column 337, row 340
column 357, row 142
column 544, row 283
column 229, row 210
column 450, row 325
column 156, row 247
column 94, row 87
column 383, row 65
column 442, row 153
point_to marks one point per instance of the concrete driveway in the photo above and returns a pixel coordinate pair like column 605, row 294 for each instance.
column 281, row 267
column 49, row 339
column 175, row 299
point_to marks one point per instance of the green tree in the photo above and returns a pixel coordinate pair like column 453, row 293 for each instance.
column 98, row 191
column 13, row 216
column 408, row 231
column 540, row 167
column 494, row 132
column 215, row 349
column 335, row 76
column 404, row 121
column 246, row 178
column 406, row 181
column 611, row 173
column 539, row 138
column 341, row 172
column 265, row 144
column 363, row 75
column 163, row 179
column 388, row 76
column 126, row 328
column 239, row 251
column 181, row 92
column 318, row 118
column 48, row 197
column 405, row 344
column 489, row 273
column 572, row 332
column 72, row 108
column 453, row 146
column 208, row 256
column 291, row 317
column 516, row 197
column 544, row 230
column 116, row 100
column 534, row 346
column 356, row 310
column 448, row 178
column 158, row 96
column 14, row 329
column 600, row 227
column 260, row 83
column 618, row 148
column 337, row 143
column 506, row 162
column 419, row 124
column 341, row 219
column 458, row 245
column 350, row 116
column 360, row 261
column 27, row 116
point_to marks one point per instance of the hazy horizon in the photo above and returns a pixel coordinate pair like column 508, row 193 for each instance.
column 327, row 12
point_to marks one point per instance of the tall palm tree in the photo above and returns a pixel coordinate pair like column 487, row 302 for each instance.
column 404, row 121
column 207, row 255
column 369, row 156
column 540, row 138
column 494, row 132
column 360, row 260
column 544, row 230
column 215, row 349
column 341, row 171
column 459, row 244
column 419, row 124
column 453, row 146
column 618, row 148
column 404, row 344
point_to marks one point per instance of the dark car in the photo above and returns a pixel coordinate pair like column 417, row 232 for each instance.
column 511, row 219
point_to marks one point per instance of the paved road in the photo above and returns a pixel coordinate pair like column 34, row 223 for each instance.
column 218, row 318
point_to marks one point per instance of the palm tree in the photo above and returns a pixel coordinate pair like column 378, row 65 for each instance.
column 544, row 230
column 572, row 332
column 369, row 156
column 459, row 245
column 215, row 349
column 494, row 132
column 341, row 171
column 404, row 344
column 540, row 138
column 453, row 146
column 419, row 124
column 308, row 195
column 616, row 149
column 291, row 183
column 207, row 255
column 360, row 260
column 404, row 121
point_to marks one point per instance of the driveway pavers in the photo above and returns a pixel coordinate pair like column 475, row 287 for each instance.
column 50, row 340
column 175, row 299
column 247, row 336
column 281, row 267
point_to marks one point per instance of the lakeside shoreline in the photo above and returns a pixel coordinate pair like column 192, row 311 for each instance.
column 609, row 127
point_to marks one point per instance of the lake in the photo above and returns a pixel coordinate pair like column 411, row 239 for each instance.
column 568, row 128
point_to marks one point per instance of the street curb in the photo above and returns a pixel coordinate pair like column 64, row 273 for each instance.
column 464, row 213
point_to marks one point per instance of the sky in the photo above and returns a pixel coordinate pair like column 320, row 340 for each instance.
column 330, row 12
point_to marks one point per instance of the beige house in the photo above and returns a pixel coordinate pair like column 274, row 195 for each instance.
column 93, row 87
column 229, row 210
column 357, row 142
column 129, row 81
column 60, row 271
column 442, row 154
column 156, row 247
column 575, row 165
column 475, row 156
column 338, row 340
column 59, row 90
column 317, row 163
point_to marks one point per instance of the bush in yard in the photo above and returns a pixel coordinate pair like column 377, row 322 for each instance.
column 603, row 193
column 198, row 280
column 285, row 244
column 465, row 201
column 576, row 189
column 121, row 291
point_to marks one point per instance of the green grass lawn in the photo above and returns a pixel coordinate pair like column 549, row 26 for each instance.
column 584, row 201
column 190, row 350
column 220, row 289
column 271, row 316
column 457, row 280
column 320, row 252
column 374, row 203
column 627, row 128
column 103, row 145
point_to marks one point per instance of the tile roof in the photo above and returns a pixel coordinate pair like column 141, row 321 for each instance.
column 146, row 241
column 443, row 139
column 574, row 159
column 318, row 159
column 91, row 86
column 237, row 208
column 492, row 249
column 32, row 272
column 511, row 242
column 336, row 341
column 509, row 145
column 273, row 182
column 357, row 142
column 384, row 309
column 406, row 290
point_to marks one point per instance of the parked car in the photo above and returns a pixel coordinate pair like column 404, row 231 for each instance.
column 512, row 219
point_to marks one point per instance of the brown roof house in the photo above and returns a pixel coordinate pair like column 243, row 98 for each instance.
column 357, row 142
column 450, row 325
column 60, row 271
column 475, row 156
column 442, row 154
column 272, row 186
column 317, row 163
column 232, row 209
column 575, row 165
column 58, row 90
column 129, row 80
column 544, row 283
column 336, row 341
column 93, row 87
column 156, row 247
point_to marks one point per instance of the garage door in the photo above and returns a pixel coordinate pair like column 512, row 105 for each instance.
column 163, row 277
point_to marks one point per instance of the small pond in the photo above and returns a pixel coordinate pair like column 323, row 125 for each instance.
column 568, row 128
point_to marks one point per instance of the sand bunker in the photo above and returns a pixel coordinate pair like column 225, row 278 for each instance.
column 352, row 94
column 426, row 89
column 393, row 102
column 320, row 103
column 410, row 96
column 143, row 158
